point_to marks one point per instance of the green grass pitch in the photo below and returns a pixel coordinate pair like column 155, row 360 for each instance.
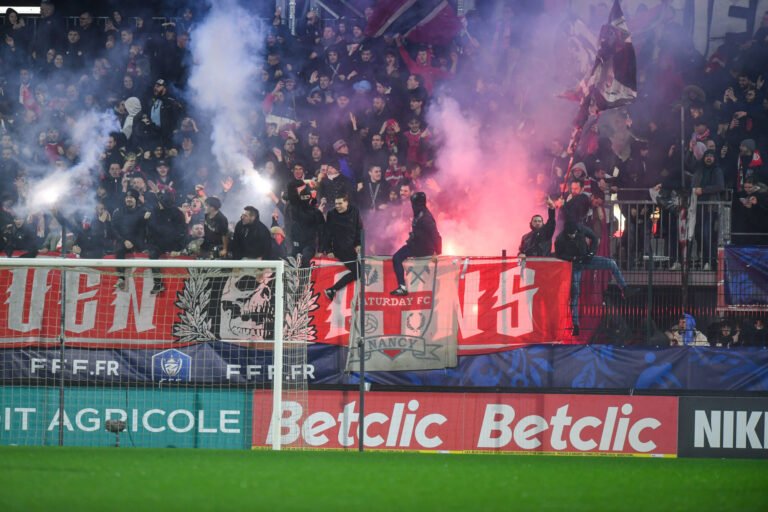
column 84, row 479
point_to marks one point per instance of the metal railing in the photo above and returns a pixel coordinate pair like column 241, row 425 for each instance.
column 642, row 231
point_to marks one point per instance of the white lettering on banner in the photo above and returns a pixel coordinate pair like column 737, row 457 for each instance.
column 179, row 421
column 143, row 311
column 57, row 418
column 93, row 423
column 338, row 311
column 74, row 297
column 24, row 412
column 297, row 371
column 497, row 431
column 21, row 305
column 78, row 366
column 724, row 429
column 468, row 319
column 316, row 428
column 506, row 296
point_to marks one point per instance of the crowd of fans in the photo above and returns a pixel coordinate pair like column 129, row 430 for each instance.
column 339, row 113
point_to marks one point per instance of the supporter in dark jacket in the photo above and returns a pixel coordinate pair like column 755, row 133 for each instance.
column 128, row 230
column 166, row 232
column 91, row 232
column 20, row 237
column 303, row 221
column 341, row 240
column 577, row 205
column 538, row 241
column 251, row 239
column 424, row 240
column 578, row 244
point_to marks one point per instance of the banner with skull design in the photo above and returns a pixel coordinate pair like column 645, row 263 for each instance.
column 455, row 306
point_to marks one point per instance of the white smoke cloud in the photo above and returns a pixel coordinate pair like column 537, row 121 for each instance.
column 56, row 188
column 226, row 49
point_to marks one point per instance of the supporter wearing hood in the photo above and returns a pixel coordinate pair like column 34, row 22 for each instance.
column 424, row 240
column 685, row 333
column 750, row 164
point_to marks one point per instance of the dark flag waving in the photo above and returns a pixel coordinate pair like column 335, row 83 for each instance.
column 613, row 80
column 421, row 21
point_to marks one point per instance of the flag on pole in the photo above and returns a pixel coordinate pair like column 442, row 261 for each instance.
column 421, row 21
column 613, row 80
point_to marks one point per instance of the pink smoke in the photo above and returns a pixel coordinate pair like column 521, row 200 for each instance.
column 485, row 202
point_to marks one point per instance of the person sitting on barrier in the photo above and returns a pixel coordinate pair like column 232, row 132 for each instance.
column 538, row 241
column 166, row 233
column 424, row 240
column 685, row 333
column 129, row 229
column 342, row 240
column 577, row 244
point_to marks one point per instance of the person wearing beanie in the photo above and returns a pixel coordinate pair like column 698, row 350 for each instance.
column 128, row 229
column 216, row 240
column 423, row 240
column 278, row 251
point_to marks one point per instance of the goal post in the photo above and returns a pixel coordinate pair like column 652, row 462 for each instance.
column 93, row 350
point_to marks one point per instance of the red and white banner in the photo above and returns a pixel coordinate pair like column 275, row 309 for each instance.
column 96, row 314
column 455, row 306
column 475, row 422
column 481, row 305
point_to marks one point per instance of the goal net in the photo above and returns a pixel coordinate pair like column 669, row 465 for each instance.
column 160, row 353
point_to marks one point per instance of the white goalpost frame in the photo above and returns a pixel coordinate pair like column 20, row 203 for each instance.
column 277, row 265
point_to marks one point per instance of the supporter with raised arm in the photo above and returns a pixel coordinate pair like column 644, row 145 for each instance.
column 422, row 65
column 538, row 241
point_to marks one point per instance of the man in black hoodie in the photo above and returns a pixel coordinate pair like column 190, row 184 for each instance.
column 341, row 240
column 166, row 232
column 577, row 244
column 128, row 230
column 424, row 240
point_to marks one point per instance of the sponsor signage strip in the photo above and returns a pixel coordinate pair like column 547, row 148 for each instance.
column 212, row 363
column 179, row 418
column 723, row 427
column 477, row 422
column 536, row 367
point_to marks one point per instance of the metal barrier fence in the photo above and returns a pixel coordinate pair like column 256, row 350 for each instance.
column 642, row 231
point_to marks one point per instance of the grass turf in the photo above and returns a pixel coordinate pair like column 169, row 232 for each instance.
column 83, row 479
